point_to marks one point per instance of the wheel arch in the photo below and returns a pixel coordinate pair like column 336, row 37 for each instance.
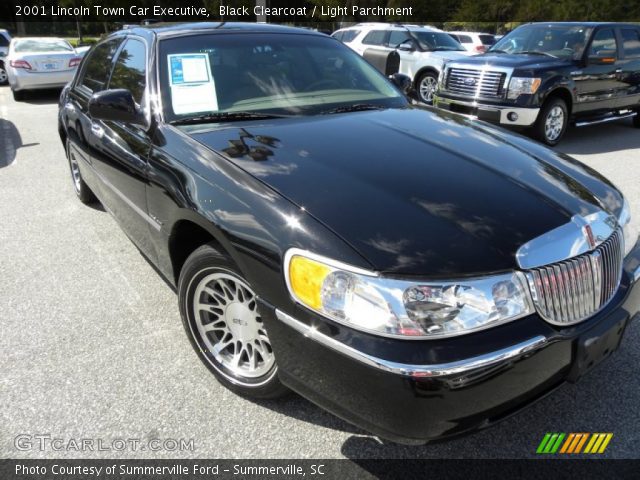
column 563, row 93
column 187, row 235
column 422, row 71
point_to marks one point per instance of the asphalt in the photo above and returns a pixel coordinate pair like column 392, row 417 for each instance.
column 92, row 345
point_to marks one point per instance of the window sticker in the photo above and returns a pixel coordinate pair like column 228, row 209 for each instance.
column 192, row 86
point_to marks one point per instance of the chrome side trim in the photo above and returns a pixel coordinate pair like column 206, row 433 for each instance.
column 613, row 118
column 580, row 235
column 408, row 370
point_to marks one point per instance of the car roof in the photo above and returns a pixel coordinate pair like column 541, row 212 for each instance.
column 582, row 24
column 461, row 32
column 394, row 26
column 164, row 30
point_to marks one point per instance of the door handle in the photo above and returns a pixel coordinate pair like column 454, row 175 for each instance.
column 618, row 70
column 97, row 130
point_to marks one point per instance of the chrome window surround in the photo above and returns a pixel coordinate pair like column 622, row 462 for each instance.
column 485, row 68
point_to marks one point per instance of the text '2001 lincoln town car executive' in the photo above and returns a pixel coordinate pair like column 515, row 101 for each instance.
column 412, row 271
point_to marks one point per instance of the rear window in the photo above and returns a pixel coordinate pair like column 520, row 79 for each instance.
column 631, row 42
column 41, row 45
column 487, row 39
column 464, row 38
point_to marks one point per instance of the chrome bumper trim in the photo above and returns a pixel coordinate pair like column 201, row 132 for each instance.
column 407, row 370
column 526, row 116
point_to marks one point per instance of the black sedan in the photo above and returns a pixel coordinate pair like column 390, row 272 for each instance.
column 418, row 273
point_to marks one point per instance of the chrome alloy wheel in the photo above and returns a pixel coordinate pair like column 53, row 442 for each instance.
column 228, row 322
column 3, row 76
column 554, row 123
column 428, row 86
column 75, row 172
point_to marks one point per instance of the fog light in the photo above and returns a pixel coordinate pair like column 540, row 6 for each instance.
column 512, row 116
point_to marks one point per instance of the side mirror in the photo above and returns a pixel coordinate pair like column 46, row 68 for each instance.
column 603, row 57
column 116, row 105
column 407, row 46
column 401, row 81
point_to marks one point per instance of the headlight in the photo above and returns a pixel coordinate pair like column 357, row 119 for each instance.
column 629, row 228
column 522, row 85
column 400, row 308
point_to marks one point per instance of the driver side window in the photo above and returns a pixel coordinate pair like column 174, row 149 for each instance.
column 604, row 44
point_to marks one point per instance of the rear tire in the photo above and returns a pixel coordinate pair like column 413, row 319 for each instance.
column 552, row 121
column 18, row 96
column 4, row 78
column 220, row 315
column 83, row 192
column 636, row 120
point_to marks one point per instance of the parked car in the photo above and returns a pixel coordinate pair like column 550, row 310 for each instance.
column 548, row 75
column 5, row 38
column 423, row 50
column 39, row 63
column 414, row 272
column 475, row 42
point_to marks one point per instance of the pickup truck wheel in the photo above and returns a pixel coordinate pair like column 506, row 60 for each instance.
column 220, row 314
column 83, row 192
column 552, row 121
column 426, row 86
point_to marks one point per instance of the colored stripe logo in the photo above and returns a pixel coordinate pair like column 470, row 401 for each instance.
column 572, row 443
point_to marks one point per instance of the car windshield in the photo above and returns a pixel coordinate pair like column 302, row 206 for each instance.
column 438, row 41
column 36, row 45
column 562, row 41
column 267, row 74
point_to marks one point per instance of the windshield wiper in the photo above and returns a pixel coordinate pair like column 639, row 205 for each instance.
column 358, row 107
column 226, row 117
column 535, row 52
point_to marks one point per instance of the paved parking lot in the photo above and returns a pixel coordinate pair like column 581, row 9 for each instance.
column 93, row 347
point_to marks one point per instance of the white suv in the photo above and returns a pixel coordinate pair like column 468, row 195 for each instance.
column 5, row 38
column 423, row 50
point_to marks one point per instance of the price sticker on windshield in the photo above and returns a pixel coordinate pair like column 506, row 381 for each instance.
column 192, row 85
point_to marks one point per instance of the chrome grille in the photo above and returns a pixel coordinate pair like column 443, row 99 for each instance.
column 568, row 292
column 474, row 83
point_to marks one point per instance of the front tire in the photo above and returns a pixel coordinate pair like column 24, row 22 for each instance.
column 83, row 192
column 552, row 121
column 426, row 86
column 18, row 95
column 220, row 315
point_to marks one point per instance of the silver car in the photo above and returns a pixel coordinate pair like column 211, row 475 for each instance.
column 40, row 62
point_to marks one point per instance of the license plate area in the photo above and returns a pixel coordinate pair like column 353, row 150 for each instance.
column 597, row 345
column 50, row 66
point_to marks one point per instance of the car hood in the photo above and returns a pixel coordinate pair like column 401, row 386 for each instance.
column 416, row 191
column 453, row 55
column 516, row 61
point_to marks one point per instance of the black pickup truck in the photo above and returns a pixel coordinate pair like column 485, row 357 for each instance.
column 544, row 76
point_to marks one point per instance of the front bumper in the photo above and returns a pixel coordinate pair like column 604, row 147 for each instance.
column 417, row 391
column 20, row 79
column 500, row 114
